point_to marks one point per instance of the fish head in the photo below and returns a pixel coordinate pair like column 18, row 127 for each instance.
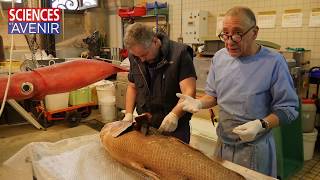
column 109, row 128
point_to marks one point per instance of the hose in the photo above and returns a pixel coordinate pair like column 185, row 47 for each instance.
column 9, row 75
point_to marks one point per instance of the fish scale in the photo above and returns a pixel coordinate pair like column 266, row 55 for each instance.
column 162, row 157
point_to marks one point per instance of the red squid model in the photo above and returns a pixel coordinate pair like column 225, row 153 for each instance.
column 57, row 78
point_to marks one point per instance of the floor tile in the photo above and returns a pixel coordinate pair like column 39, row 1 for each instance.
column 310, row 170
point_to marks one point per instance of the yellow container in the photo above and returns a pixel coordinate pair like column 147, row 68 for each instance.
column 5, row 65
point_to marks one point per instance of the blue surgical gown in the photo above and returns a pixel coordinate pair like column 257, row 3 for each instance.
column 249, row 88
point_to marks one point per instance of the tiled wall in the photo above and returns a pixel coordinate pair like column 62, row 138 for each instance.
column 19, row 40
column 76, row 27
column 306, row 37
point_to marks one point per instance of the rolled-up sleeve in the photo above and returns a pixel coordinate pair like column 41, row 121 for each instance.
column 210, row 88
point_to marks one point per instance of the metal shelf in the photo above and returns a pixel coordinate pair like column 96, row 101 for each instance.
column 161, row 22
column 146, row 16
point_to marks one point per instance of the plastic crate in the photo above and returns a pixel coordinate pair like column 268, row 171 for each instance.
column 80, row 96
column 129, row 12
column 156, row 4
column 162, row 11
column 289, row 147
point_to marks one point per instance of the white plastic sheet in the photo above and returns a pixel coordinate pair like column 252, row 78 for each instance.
column 78, row 158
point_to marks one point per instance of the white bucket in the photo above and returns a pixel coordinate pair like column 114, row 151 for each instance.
column 107, row 107
column 56, row 101
column 308, row 115
column 105, row 88
column 309, row 140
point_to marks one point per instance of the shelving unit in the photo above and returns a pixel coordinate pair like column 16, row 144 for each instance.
column 160, row 22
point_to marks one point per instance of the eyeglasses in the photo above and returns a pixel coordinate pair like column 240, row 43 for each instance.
column 235, row 37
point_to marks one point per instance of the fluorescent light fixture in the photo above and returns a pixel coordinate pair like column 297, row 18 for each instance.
column 74, row 4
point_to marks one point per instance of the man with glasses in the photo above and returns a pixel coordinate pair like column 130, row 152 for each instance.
column 159, row 68
column 255, row 93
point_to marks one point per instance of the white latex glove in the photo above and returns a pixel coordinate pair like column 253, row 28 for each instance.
column 248, row 131
column 128, row 117
column 169, row 123
column 189, row 103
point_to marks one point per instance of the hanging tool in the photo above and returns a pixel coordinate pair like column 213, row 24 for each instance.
column 30, row 64
column 157, row 16
column 213, row 117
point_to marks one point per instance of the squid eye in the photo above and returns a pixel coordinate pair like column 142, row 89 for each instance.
column 26, row 88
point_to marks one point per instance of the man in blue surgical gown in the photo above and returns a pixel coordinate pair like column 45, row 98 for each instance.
column 254, row 90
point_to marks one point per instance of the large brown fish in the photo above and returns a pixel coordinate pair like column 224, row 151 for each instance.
column 162, row 157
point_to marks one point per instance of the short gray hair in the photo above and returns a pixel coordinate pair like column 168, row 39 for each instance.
column 138, row 33
column 242, row 10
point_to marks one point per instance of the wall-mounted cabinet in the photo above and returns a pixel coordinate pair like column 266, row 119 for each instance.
column 195, row 26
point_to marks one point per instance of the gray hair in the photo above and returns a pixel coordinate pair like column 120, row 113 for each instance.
column 240, row 11
column 138, row 33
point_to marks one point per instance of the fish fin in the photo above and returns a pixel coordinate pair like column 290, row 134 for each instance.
column 148, row 172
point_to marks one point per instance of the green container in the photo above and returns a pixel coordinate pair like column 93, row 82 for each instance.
column 80, row 96
column 161, row 11
column 289, row 147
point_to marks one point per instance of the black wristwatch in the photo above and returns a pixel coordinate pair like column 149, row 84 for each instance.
column 265, row 124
